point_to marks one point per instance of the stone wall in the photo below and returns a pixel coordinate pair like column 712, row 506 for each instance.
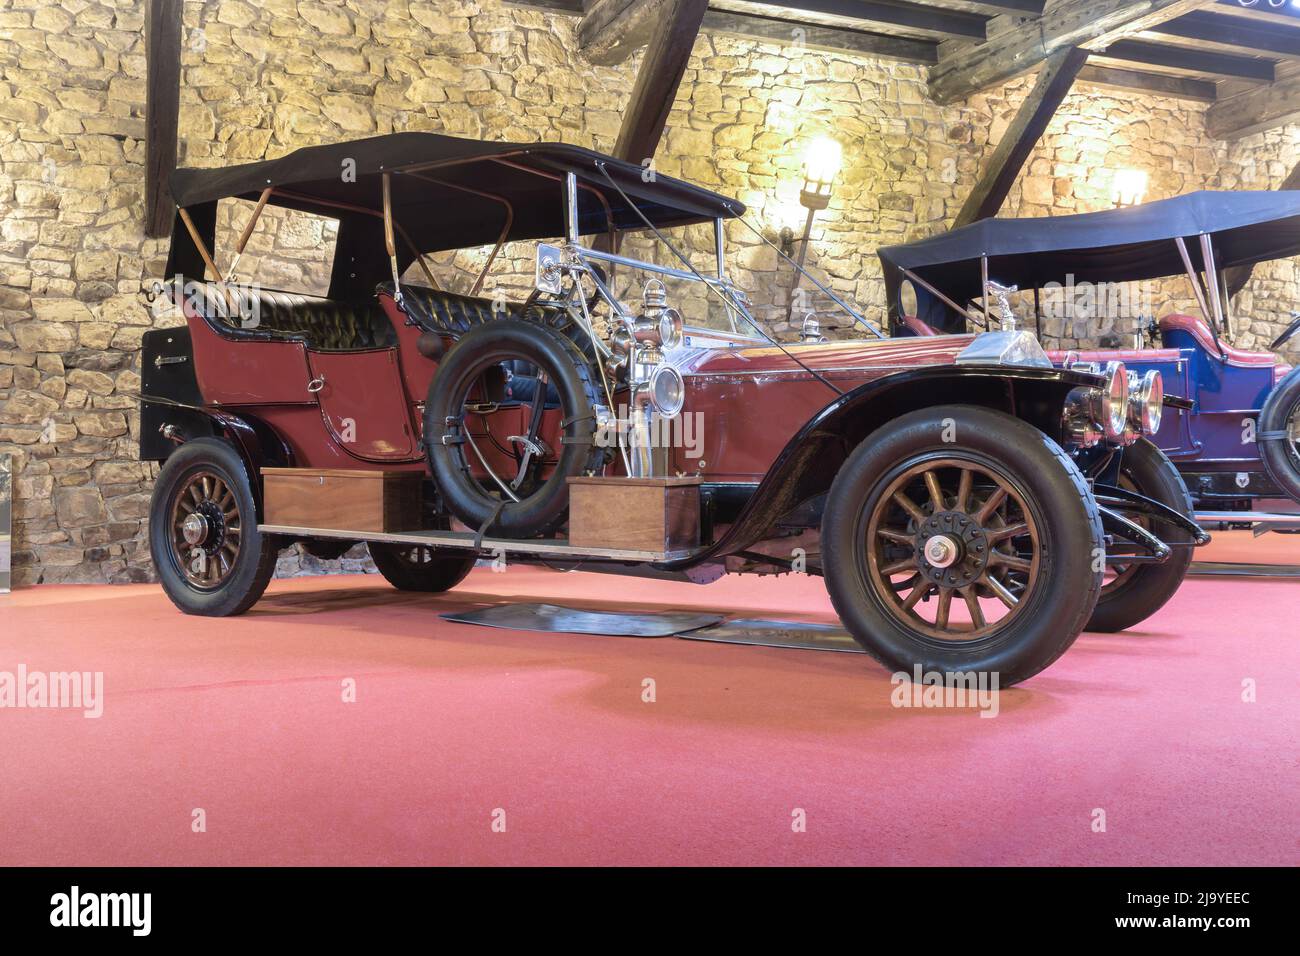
column 262, row 77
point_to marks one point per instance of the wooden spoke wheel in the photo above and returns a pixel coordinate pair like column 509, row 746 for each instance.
column 206, row 529
column 960, row 539
column 203, row 536
column 953, row 531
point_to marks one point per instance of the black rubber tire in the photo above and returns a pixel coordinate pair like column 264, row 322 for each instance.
column 255, row 563
column 1281, row 459
column 1053, row 489
column 326, row 549
column 436, row 570
column 1149, row 586
column 548, row 507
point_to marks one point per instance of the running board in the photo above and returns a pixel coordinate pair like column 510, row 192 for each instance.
column 1263, row 521
column 1234, row 570
column 547, row 547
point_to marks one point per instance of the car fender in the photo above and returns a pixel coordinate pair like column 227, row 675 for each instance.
column 811, row 459
column 172, row 410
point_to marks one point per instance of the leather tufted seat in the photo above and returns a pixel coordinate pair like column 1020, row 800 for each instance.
column 266, row 314
column 450, row 314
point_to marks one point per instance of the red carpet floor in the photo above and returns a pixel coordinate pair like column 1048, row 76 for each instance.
column 244, row 719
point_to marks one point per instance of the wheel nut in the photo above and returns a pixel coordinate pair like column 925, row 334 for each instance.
column 940, row 551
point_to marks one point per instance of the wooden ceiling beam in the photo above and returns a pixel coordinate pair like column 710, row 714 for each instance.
column 988, row 8
column 1004, row 166
column 1198, row 62
column 1221, row 32
column 1085, row 23
column 1156, row 84
column 612, row 30
column 788, row 33
column 1264, row 107
column 814, row 37
column 162, row 112
column 930, row 21
column 657, row 78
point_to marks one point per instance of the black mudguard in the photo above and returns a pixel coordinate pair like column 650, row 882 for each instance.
column 811, row 459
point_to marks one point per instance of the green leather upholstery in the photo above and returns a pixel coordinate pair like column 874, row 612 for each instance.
column 447, row 312
column 450, row 314
column 266, row 314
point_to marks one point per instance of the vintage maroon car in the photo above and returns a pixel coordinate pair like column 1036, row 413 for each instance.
column 944, row 488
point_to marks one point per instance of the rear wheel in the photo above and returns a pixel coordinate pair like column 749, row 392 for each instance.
column 975, row 554
column 1133, row 592
column 203, row 536
column 419, row 567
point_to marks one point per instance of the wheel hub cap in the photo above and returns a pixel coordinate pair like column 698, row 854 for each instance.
column 941, row 551
column 195, row 529
column 951, row 549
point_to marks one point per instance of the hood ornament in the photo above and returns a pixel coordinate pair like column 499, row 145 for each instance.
column 1003, row 294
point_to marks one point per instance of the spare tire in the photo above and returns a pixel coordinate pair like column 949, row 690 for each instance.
column 1279, row 435
column 528, row 502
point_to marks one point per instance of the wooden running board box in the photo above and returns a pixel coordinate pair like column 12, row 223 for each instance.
column 635, row 514
column 342, row 499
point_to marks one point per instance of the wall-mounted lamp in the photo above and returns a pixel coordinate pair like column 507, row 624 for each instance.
column 821, row 164
column 1129, row 187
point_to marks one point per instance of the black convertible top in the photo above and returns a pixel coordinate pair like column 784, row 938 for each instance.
column 1116, row 245
column 447, row 193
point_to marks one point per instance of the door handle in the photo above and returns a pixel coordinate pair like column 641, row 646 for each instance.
column 316, row 384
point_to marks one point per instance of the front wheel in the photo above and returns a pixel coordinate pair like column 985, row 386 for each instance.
column 960, row 539
column 1279, row 434
column 203, row 536
column 1133, row 592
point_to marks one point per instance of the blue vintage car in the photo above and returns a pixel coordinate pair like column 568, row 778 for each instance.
column 1237, row 446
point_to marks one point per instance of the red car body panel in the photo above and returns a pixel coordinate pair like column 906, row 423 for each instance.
column 746, row 402
column 751, row 401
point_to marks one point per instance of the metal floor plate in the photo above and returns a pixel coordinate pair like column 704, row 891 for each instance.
column 555, row 619
column 793, row 634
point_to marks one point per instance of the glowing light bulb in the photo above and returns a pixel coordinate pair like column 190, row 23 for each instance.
column 822, row 159
column 1129, row 186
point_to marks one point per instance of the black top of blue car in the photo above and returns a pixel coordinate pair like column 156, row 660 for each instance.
column 1116, row 245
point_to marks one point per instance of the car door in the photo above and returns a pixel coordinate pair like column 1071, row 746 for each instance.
column 363, row 403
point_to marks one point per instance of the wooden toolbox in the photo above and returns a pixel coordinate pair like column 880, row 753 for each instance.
column 342, row 499
column 660, row 515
